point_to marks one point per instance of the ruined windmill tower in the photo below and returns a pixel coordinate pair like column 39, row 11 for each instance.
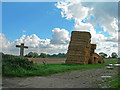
column 80, row 50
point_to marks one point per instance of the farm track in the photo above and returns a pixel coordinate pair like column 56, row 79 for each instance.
column 75, row 79
column 48, row 60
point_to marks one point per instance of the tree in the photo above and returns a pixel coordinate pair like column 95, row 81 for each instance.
column 114, row 55
column 35, row 55
column 104, row 55
column 32, row 55
column 61, row 55
column 54, row 55
column 48, row 55
column 43, row 55
column 109, row 57
column 1, row 53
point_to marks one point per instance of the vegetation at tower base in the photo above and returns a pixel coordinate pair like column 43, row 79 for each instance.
column 81, row 51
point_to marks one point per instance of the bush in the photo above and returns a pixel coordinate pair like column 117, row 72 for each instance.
column 114, row 55
column 12, row 63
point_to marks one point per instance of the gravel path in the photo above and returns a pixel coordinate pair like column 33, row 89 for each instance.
column 75, row 79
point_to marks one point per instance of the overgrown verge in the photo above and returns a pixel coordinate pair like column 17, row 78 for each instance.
column 14, row 66
column 115, row 83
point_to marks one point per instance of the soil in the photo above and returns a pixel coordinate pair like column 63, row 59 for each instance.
column 48, row 60
column 75, row 79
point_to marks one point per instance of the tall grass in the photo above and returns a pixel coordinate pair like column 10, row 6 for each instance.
column 14, row 66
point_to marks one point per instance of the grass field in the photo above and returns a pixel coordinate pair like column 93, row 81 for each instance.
column 47, row 69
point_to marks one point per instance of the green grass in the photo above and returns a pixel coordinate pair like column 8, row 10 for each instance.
column 115, row 82
column 15, row 68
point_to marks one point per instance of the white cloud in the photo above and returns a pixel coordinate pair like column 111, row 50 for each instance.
column 101, row 12
column 107, row 47
column 60, row 36
column 106, row 14
column 58, row 43
column 4, row 42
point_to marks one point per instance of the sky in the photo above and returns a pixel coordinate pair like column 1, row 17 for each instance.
column 45, row 27
column 32, row 18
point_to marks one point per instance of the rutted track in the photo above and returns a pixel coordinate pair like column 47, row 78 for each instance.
column 74, row 79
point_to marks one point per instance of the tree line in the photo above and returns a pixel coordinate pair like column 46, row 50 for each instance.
column 44, row 55
column 61, row 55
column 104, row 55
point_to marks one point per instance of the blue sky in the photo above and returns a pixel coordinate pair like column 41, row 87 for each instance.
column 38, row 18
column 41, row 25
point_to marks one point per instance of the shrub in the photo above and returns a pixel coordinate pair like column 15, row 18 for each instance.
column 14, row 64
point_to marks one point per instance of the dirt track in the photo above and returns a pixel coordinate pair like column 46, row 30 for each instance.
column 48, row 60
column 76, row 79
